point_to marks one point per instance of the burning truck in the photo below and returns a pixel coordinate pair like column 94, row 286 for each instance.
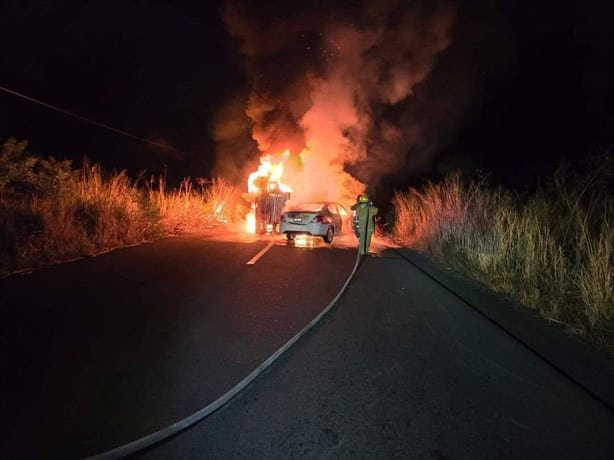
column 267, row 196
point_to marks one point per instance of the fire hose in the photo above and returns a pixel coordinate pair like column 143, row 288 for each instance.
column 151, row 439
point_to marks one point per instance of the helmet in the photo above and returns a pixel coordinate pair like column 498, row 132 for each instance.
column 363, row 198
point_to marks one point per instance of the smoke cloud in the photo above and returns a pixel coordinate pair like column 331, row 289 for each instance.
column 335, row 82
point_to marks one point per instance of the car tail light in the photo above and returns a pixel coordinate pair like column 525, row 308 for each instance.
column 319, row 219
column 282, row 218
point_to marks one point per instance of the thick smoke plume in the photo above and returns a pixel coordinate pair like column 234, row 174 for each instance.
column 333, row 82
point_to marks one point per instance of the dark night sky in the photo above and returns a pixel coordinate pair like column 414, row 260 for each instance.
column 551, row 93
column 539, row 82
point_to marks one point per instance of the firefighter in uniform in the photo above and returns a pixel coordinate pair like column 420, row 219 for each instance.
column 364, row 222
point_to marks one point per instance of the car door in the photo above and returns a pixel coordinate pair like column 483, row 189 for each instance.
column 335, row 217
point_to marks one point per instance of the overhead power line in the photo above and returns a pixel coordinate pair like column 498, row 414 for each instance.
column 88, row 120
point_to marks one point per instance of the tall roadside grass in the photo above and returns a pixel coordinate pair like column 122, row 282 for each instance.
column 194, row 206
column 51, row 212
column 552, row 250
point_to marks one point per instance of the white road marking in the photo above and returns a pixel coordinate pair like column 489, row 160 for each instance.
column 254, row 259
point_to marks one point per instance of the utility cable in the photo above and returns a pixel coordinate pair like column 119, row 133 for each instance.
column 87, row 120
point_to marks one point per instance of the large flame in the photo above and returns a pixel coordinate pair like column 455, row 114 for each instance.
column 314, row 177
column 271, row 173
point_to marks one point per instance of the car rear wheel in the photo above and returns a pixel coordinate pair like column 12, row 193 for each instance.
column 330, row 233
column 290, row 236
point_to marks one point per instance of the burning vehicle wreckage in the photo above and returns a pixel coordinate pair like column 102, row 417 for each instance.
column 267, row 197
column 271, row 209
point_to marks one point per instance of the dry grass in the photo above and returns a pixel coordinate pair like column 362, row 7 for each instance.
column 552, row 251
column 191, row 208
column 86, row 212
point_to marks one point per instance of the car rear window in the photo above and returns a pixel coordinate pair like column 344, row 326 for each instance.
column 309, row 207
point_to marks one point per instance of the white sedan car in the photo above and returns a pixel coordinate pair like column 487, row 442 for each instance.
column 321, row 218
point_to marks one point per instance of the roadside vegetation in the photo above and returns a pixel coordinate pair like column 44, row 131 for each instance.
column 551, row 250
column 51, row 211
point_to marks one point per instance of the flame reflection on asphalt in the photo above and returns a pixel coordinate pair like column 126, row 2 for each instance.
column 306, row 241
column 235, row 233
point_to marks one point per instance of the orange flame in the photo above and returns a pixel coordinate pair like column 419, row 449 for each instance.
column 250, row 220
column 270, row 171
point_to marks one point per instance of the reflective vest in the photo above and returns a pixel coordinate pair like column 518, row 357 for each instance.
column 360, row 217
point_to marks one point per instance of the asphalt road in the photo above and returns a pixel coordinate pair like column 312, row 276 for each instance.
column 103, row 350
column 402, row 369
column 100, row 351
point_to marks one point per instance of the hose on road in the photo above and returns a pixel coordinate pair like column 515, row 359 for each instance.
column 151, row 439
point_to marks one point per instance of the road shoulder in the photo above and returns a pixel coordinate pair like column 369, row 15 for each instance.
column 588, row 366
